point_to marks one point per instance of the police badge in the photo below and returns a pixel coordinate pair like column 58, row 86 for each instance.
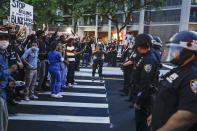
column 148, row 68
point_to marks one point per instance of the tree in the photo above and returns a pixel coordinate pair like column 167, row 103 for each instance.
column 44, row 10
column 4, row 9
column 112, row 9
column 76, row 9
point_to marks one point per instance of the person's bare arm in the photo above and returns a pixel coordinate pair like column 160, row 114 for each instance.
column 27, row 63
column 180, row 121
column 78, row 53
column 128, row 63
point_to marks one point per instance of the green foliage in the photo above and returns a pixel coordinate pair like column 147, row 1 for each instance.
column 44, row 10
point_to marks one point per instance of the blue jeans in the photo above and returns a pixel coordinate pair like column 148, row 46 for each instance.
column 63, row 70
column 55, row 80
column 85, row 58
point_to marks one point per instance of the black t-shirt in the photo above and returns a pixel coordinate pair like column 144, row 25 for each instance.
column 178, row 91
column 99, row 54
column 13, row 57
column 43, row 48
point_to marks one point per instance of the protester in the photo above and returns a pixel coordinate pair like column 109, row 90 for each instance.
column 71, row 53
column 5, row 73
column 98, row 60
column 43, row 50
column 55, row 59
column 63, row 66
column 30, row 58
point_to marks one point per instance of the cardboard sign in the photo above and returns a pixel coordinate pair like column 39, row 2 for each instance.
column 21, row 13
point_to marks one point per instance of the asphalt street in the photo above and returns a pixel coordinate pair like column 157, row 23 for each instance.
column 88, row 106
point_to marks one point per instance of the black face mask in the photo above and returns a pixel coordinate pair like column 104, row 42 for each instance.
column 184, row 55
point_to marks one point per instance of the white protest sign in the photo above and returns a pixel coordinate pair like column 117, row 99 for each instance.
column 21, row 13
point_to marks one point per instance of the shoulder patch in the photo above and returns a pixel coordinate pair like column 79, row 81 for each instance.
column 193, row 86
column 148, row 68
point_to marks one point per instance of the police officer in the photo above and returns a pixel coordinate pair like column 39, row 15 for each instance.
column 157, row 47
column 175, row 107
column 114, row 51
column 146, row 68
column 127, row 70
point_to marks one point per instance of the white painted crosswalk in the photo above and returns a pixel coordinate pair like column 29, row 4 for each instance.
column 89, row 87
column 78, row 80
column 95, row 92
column 77, row 94
column 65, row 104
column 61, row 118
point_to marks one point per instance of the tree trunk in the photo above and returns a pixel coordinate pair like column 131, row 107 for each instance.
column 118, row 33
column 75, row 27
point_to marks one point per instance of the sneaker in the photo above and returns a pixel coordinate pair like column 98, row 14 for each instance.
column 59, row 95
column 26, row 98
column 70, row 85
column 64, row 87
column 56, row 96
column 93, row 78
column 34, row 97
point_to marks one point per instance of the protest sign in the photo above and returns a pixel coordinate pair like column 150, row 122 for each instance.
column 21, row 13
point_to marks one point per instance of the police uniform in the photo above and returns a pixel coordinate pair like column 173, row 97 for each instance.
column 113, row 54
column 146, row 69
column 178, row 92
column 127, row 70
column 177, row 88
column 135, row 57
column 143, row 79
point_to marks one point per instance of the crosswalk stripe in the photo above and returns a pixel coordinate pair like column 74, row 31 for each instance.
column 66, row 104
column 77, row 94
column 79, row 80
column 168, row 66
column 163, row 72
column 89, row 87
column 84, row 74
column 61, row 118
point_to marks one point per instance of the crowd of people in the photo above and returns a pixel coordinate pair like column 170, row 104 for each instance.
column 161, row 102
column 43, row 62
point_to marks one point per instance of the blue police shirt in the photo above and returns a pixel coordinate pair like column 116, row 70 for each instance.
column 54, row 59
column 4, row 72
column 31, row 55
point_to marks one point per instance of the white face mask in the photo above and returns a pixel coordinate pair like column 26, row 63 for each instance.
column 4, row 44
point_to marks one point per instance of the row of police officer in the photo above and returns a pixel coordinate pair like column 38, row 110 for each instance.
column 174, row 107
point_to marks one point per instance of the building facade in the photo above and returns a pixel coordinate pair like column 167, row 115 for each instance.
column 175, row 16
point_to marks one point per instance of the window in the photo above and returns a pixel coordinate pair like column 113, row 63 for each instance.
column 163, row 16
column 194, row 2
